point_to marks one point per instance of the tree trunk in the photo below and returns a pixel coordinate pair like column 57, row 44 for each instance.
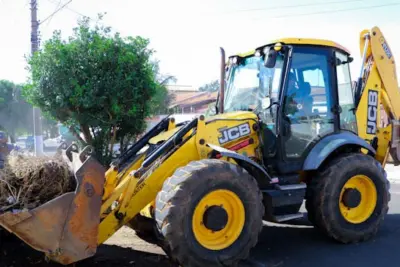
column 121, row 145
column 12, row 136
column 86, row 133
column 93, row 133
column 112, row 141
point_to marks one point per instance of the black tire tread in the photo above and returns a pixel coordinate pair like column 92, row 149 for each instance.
column 319, row 188
column 176, row 190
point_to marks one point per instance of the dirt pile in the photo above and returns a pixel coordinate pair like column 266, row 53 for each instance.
column 28, row 181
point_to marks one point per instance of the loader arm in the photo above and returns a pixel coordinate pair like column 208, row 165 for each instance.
column 377, row 91
column 138, row 186
column 139, row 183
column 70, row 227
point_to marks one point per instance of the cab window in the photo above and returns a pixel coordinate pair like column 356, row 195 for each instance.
column 307, row 103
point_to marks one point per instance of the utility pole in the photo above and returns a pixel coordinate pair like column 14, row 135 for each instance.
column 37, row 122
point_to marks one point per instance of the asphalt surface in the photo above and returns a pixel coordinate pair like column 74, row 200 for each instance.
column 300, row 245
column 296, row 244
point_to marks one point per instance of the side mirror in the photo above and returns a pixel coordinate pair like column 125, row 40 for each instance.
column 212, row 109
column 266, row 102
column 270, row 58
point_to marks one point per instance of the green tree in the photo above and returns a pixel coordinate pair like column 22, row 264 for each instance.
column 97, row 83
column 6, row 99
column 210, row 87
column 15, row 112
column 162, row 98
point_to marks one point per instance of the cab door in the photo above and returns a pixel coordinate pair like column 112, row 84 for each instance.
column 307, row 104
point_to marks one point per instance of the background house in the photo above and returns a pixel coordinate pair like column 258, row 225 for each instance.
column 188, row 103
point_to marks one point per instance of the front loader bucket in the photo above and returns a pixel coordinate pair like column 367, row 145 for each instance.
column 65, row 228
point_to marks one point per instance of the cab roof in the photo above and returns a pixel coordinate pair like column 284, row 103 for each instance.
column 302, row 41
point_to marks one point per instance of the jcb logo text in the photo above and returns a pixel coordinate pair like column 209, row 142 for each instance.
column 372, row 112
column 229, row 134
column 385, row 47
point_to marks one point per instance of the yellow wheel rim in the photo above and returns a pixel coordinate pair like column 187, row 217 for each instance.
column 233, row 212
column 366, row 203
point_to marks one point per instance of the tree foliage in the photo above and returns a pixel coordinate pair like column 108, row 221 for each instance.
column 15, row 113
column 99, row 84
column 210, row 87
column 162, row 98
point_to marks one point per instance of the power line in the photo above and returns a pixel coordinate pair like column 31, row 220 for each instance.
column 335, row 11
column 72, row 10
column 52, row 14
column 79, row 13
column 292, row 6
column 58, row 5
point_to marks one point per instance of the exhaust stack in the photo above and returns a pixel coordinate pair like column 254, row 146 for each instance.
column 222, row 82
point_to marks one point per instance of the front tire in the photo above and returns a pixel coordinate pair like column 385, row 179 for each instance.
column 144, row 228
column 348, row 199
column 210, row 214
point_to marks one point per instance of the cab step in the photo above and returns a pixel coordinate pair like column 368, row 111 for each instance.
column 291, row 187
column 288, row 217
column 283, row 202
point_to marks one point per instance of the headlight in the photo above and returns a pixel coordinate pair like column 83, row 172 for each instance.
column 234, row 60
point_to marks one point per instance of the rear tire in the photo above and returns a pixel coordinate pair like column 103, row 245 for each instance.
column 230, row 204
column 348, row 199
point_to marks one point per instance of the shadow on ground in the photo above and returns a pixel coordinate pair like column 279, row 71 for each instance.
column 293, row 245
column 16, row 254
column 298, row 244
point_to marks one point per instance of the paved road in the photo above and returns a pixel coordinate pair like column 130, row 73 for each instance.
column 294, row 245
column 300, row 245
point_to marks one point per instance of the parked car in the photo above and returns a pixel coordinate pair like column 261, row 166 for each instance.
column 52, row 142
column 30, row 143
column 68, row 138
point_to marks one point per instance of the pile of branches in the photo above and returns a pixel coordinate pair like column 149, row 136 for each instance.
column 27, row 182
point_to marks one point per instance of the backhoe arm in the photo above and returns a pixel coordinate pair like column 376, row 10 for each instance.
column 377, row 91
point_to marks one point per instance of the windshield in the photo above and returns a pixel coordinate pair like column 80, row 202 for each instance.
column 250, row 82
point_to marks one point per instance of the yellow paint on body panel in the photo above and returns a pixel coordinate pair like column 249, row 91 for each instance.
column 385, row 62
column 299, row 41
column 138, row 194
column 308, row 41
column 146, row 191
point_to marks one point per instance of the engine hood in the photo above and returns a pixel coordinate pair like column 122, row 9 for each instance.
column 239, row 115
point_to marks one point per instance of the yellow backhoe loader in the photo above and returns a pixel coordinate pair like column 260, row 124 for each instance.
column 289, row 126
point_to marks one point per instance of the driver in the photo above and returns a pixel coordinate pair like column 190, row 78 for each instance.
column 293, row 85
column 292, row 90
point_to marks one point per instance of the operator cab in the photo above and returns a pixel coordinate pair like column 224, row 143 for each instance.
column 300, row 89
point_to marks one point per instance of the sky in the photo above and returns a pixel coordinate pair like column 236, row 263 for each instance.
column 187, row 34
